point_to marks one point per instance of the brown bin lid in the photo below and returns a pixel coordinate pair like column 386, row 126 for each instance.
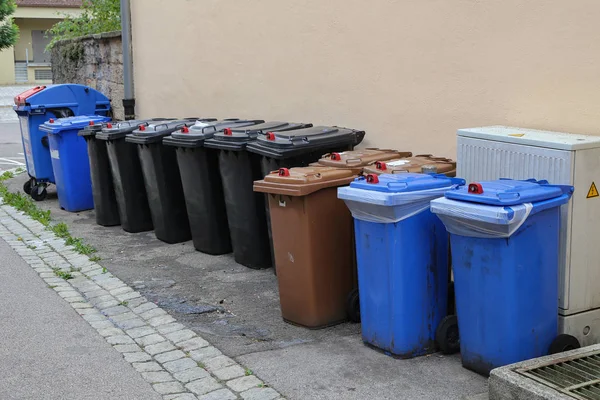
column 419, row 163
column 360, row 158
column 302, row 181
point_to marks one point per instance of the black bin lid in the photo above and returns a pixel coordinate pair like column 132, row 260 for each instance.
column 195, row 135
column 283, row 144
column 91, row 130
column 117, row 130
column 238, row 138
column 155, row 131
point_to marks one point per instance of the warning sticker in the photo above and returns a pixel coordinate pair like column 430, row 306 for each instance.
column 593, row 192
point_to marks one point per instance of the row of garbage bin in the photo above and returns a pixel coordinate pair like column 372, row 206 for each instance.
column 381, row 258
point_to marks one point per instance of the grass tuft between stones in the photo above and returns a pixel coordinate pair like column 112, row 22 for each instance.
column 24, row 203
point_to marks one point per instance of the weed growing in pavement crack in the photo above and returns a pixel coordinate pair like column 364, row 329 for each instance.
column 262, row 385
column 25, row 204
column 95, row 258
column 62, row 274
column 248, row 372
column 31, row 247
column 104, row 270
column 51, row 286
column 124, row 303
column 201, row 365
column 19, row 170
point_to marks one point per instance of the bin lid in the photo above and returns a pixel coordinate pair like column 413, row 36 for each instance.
column 119, row 129
column 302, row 181
column 197, row 134
column 77, row 123
column 155, row 131
column 80, row 99
column 506, row 192
column 425, row 163
column 91, row 130
column 360, row 158
column 288, row 143
column 402, row 183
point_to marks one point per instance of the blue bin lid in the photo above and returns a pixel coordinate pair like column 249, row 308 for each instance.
column 80, row 99
column 405, row 182
column 506, row 192
column 72, row 123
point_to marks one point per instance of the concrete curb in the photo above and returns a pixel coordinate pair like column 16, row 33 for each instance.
column 178, row 363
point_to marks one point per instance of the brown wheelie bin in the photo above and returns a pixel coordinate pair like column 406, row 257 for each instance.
column 425, row 163
column 359, row 158
column 313, row 241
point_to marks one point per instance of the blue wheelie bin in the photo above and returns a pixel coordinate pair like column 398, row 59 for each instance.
column 504, row 237
column 40, row 104
column 402, row 260
column 70, row 160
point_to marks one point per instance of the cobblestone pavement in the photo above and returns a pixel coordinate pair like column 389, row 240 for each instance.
column 178, row 363
column 8, row 93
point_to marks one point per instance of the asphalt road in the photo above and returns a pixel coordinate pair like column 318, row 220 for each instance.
column 48, row 351
column 11, row 147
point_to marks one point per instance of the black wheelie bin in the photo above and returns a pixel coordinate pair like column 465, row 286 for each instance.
column 298, row 148
column 162, row 179
column 126, row 173
column 202, row 186
column 103, row 192
column 245, row 209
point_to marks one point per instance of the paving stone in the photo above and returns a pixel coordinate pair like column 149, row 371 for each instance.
column 78, row 304
column 69, row 293
column 115, row 311
column 155, row 312
column 88, row 311
column 180, row 396
column 97, row 293
column 110, row 332
column 136, row 302
column 168, row 387
column 128, row 296
column 180, row 335
column 231, row 372
column 78, row 299
column 140, row 356
column 144, row 307
column 94, row 317
column 260, row 394
column 221, row 394
column 169, row 356
column 107, row 304
column 157, row 376
column 145, row 366
column 127, row 348
column 150, row 339
column 159, row 348
column 179, row 365
column 193, row 344
column 123, row 317
column 168, row 328
column 121, row 290
column 101, row 324
column 120, row 339
column 218, row 362
column 131, row 323
column 163, row 319
column 95, row 272
column 100, row 299
column 140, row 332
column 191, row 374
column 244, row 383
column 203, row 386
column 205, row 353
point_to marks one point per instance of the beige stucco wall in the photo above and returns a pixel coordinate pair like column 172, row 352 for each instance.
column 25, row 28
column 45, row 12
column 7, row 67
column 409, row 72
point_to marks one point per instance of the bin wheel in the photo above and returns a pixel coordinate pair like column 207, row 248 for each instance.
column 447, row 336
column 353, row 306
column 564, row 342
column 27, row 186
column 38, row 192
